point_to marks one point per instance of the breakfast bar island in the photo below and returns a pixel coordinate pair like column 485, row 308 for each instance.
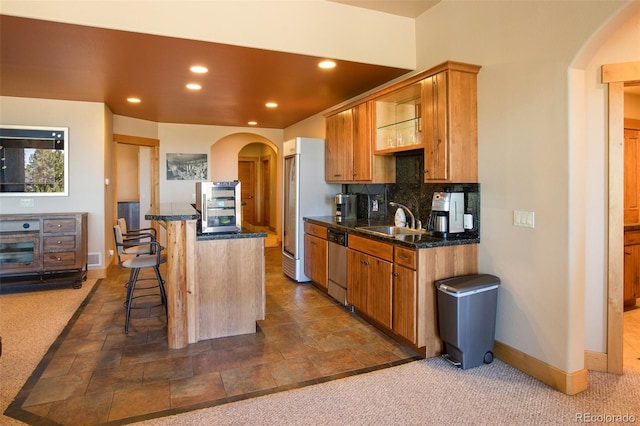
column 215, row 283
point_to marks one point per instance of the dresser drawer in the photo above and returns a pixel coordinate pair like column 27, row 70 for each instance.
column 60, row 260
column 315, row 230
column 59, row 243
column 53, row 226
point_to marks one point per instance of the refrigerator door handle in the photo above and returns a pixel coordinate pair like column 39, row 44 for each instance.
column 205, row 218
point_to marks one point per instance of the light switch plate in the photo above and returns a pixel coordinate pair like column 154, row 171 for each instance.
column 524, row 219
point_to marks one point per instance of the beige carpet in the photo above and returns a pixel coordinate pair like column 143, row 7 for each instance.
column 29, row 323
column 419, row 393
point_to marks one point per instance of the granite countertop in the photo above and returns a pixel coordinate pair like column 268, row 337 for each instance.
column 411, row 241
column 172, row 211
column 169, row 212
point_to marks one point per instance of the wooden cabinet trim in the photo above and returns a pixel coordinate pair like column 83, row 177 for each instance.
column 448, row 65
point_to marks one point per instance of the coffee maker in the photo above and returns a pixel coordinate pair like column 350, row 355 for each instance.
column 447, row 214
column 345, row 207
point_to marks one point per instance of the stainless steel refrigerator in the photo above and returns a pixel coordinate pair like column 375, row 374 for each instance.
column 305, row 194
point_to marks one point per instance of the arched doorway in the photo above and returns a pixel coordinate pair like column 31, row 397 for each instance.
column 254, row 161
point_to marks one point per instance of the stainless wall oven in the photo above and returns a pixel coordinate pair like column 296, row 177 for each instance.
column 219, row 206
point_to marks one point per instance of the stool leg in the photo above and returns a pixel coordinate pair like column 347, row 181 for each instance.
column 163, row 294
column 133, row 277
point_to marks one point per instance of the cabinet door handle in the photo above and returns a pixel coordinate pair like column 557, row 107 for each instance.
column 628, row 253
column 395, row 274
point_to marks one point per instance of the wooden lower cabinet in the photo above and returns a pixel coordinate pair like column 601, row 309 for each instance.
column 316, row 248
column 315, row 259
column 404, row 302
column 631, row 268
column 379, row 287
column 369, row 278
column 369, row 286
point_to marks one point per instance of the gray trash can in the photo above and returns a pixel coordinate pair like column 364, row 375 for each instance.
column 467, row 318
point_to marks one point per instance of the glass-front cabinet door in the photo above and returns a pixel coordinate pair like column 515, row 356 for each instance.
column 397, row 118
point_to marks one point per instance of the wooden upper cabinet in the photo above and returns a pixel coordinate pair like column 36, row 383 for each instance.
column 435, row 110
column 339, row 147
column 397, row 120
column 450, row 125
column 631, row 176
column 362, row 159
column 348, row 156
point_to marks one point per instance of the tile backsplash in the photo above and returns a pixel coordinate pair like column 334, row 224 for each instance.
column 412, row 192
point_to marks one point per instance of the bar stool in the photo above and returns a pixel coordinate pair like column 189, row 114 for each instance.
column 135, row 263
column 133, row 239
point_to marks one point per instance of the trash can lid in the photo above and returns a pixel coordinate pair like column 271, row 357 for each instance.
column 467, row 283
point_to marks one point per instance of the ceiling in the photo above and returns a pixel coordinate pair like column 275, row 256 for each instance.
column 50, row 60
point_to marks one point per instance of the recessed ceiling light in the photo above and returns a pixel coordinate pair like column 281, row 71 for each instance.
column 133, row 100
column 252, row 123
column 194, row 86
column 271, row 104
column 198, row 69
column 327, row 64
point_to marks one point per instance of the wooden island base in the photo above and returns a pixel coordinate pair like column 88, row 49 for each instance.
column 215, row 282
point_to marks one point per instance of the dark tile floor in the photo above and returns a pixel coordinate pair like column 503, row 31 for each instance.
column 95, row 374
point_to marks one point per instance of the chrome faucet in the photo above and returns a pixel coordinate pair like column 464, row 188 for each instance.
column 405, row 208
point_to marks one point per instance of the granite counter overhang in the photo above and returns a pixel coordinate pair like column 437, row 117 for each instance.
column 169, row 212
column 410, row 241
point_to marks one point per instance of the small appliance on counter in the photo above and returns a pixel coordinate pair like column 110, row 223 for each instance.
column 219, row 206
column 447, row 214
column 345, row 206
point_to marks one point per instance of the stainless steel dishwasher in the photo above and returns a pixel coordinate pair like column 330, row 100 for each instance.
column 337, row 260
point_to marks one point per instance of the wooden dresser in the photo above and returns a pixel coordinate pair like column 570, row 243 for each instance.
column 43, row 249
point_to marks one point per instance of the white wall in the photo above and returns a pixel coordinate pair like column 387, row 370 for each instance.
column 525, row 49
column 86, row 123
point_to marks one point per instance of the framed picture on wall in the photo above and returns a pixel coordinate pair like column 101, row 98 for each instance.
column 187, row 166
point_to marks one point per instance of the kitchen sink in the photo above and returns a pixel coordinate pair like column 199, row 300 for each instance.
column 390, row 230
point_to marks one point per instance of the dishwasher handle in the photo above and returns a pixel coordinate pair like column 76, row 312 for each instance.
column 337, row 236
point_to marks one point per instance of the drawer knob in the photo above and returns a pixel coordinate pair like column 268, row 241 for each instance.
column 59, row 225
column 59, row 242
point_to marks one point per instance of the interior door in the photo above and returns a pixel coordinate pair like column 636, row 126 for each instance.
column 247, row 176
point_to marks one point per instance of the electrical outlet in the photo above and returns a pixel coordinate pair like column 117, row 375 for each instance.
column 524, row 219
column 110, row 253
column 27, row 202
column 374, row 206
